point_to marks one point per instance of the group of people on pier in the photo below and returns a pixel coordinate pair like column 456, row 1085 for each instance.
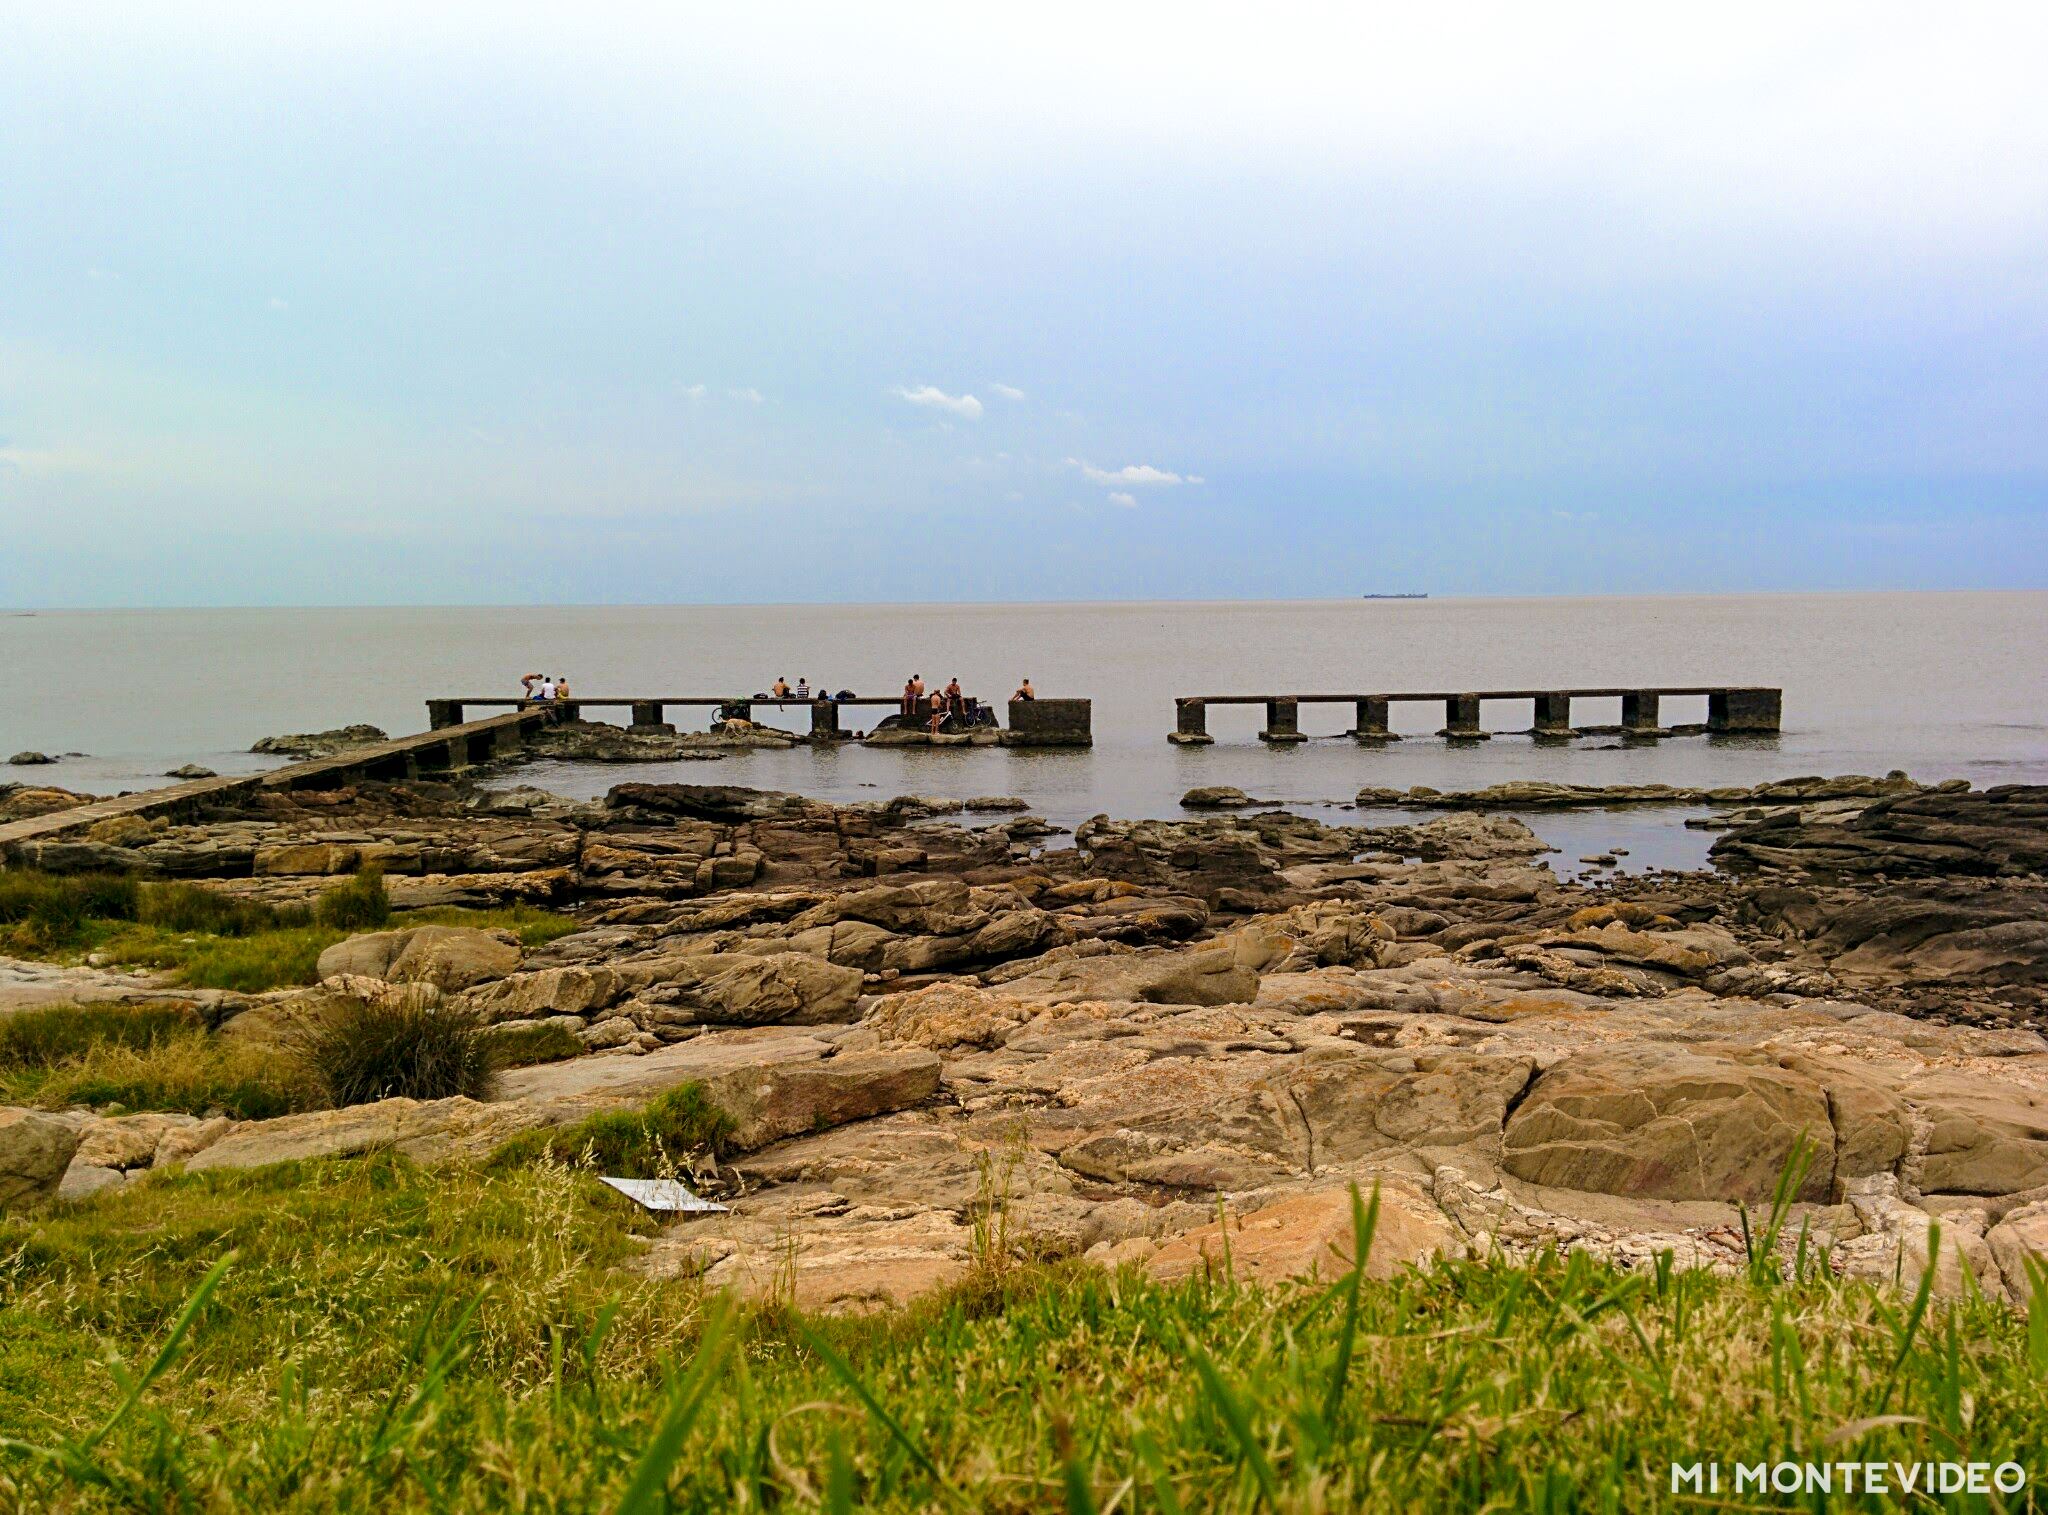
column 949, row 704
column 544, row 689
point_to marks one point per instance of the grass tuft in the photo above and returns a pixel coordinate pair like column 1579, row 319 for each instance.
column 655, row 1141
column 361, row 904
column 523, row 1046
column 410, row 1046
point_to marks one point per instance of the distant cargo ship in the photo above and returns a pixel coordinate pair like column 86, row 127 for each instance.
column 1393, row 597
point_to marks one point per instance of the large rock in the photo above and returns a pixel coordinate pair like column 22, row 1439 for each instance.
column 312, row 744
column 773, row 1102
column 2020, row 1238
column 1993, row 832
column 1309, row 1236
column 1987, row 1137
column 35, row 1149
column 448, row 957
column 1662, row 1122
column 741, row 989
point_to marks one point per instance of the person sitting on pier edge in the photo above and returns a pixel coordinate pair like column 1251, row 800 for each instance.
column 917, row 686
column 909, row 697
column 781, row 689
column 803, row 687
column 1025, row 691
column 956, row 703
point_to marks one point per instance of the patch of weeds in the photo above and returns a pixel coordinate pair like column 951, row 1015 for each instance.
column 655, row 1141
column 361, row 904
column 56, row 1034
column 410, row 1046
column 523, row 1046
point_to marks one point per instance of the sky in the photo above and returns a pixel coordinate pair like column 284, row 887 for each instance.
column 375, row 303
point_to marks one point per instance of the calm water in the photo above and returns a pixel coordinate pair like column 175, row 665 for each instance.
column 1942, row 685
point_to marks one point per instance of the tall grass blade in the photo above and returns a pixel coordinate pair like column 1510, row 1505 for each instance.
column 1365, row 1220
column 1231, row 1408
column 843, row 1371
column 648, row 1492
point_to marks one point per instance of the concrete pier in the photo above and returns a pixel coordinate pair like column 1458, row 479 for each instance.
column 1372, row 722
column 1731, row 709
column 1736, row 710
column 1283, row 722
column 1639, row 714
column 1033, row 723
column 441, row 749
column 1461, row 718
column 1050, row 723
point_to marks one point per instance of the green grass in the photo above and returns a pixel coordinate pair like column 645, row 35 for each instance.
column 148, row 1057
column 407, row 1046
column 189, row 1075
column 651, row 1142
column 523, row 1046
column 209, row 940
column 45, row 1038
column 385, row 1338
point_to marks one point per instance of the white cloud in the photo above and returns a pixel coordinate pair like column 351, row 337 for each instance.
column 1128, row 501
column 276, row 302
column 937, row 399
column 694, row 393
column 749, row 394
column 1143, row 474
column 1007, row 391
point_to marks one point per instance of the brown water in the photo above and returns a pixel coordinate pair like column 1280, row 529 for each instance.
column 1942, row 685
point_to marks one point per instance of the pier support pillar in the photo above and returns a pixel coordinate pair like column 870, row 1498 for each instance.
column 434, row 757
column 647, row 713
column 1461, row 718
column 1553, row 715
column 1283, row 722
column 1733, row 710
column 1372, row 722
column 443, row 713
column 1049, row 723
column 1639, row 715
column 824, row 720
column 1190, row 724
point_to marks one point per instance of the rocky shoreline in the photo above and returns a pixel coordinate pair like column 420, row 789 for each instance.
column 908, row 1007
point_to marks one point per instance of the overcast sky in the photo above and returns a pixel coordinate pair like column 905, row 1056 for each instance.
column 356, row 303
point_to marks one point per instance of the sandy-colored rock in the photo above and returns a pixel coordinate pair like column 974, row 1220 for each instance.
column 455, row 957
column 448, row 957
column 1668, row 1122
column 1311, row 1235
column 1988, row 1137
column 2019, row 1239
column 770, row 1103
column 35, row 1149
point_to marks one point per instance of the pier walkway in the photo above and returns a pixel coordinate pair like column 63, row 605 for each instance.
column 1730, row 708
column 441, row 750
column 1033, row 723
